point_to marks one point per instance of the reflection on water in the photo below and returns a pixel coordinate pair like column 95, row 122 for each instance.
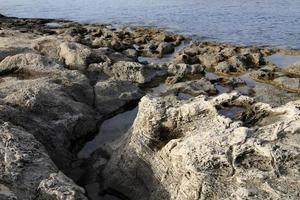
column 260, row 22
column 110, row 131
column 232, row 112
column 283, row 60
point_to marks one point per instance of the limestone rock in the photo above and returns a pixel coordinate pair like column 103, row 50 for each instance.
column 185, row 69
column 28, row 65
column 190, row 150
column 25, row 164
column 78, row 56
column 165, row 48
column 59, row 187
column 113, row 95
column 131, row 71
column 48, row 46
column 194, row 88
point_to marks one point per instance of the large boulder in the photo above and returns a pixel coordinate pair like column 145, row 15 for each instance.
column 165, row 48
column 78, row 56
column 52, row 103
column 48, row 45
column 25, row 165
column 28, row 65
column 131, row 71
column 227, row 147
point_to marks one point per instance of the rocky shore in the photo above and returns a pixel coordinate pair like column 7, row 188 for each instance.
column 214, row 121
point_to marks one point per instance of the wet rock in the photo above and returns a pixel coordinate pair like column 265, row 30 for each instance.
column 176, row 146
column 165, row 48
column 113, row 95
column 78, row 56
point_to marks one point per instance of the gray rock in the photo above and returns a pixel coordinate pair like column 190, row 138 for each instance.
column 130, row 71
column 48, row 46
column 113, row 95
column 224, row 67
column 185, row 69
column 176, row 146
column 25, row 165
column 165, row 48
column 194, row 88
column 184, row 58
column 210, row 60
column 75, row 55
column 78, row 56
column 131, row 53
column 59, row 187
column 48, row 101
column 28, row 65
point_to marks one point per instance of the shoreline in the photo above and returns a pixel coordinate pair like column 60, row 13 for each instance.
column 209, row 114
column 283, row 50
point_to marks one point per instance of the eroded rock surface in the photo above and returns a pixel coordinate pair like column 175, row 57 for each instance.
column 197, row 138
column 190, row 150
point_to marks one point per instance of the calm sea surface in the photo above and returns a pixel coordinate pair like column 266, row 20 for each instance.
column 259, row 22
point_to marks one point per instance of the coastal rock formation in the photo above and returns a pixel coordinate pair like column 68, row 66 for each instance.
column 25, row 167
column 195, row 150
column 202, row 130
column 222, row 58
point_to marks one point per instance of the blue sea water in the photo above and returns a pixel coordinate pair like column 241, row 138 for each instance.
column 247, row 22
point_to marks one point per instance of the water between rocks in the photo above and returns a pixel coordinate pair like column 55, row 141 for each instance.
column 283, row 60
column 113, row 130
column 110, row 133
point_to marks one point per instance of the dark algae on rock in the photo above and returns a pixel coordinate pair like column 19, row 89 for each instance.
column 198, row 125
